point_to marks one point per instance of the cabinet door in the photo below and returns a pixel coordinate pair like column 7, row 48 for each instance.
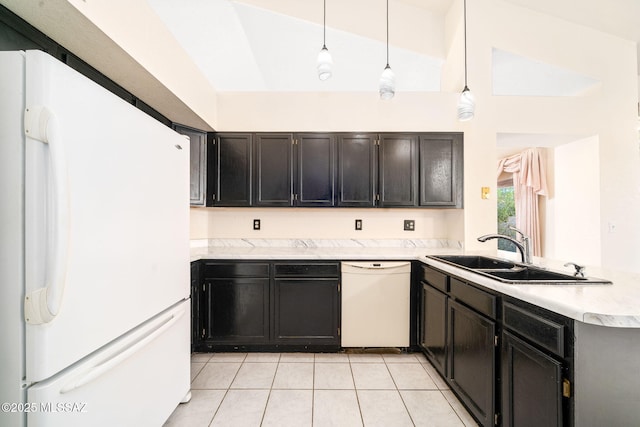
column 315, row 182
column 230, row 172
column 196, row 317
column 306, row 311
column 531, row 385
column 472, row 361
column 273, row 170
column 441, row 170
column 434, row 326
column 398, row 170
column 357, row 170
column 198, row 164
column 237, row 310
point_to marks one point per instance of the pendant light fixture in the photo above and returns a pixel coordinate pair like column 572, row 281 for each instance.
column 324, row 58
column 388, row 77
column 467, row 102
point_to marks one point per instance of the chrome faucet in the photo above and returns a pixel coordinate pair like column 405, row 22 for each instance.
column 579, row 269
column 524, row 247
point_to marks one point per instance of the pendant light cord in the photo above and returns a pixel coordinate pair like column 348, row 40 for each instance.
column 388, row 33
column 465, row 44
column 324, row 25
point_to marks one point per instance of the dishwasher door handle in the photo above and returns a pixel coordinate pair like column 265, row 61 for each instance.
column 376, row 265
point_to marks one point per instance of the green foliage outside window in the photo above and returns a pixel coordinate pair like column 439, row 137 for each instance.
column 506, row 217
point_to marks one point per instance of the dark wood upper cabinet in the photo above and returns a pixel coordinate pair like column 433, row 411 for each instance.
column 441, row 170
column 398, row 170
column 230, row 177
column 313, row 169
column 357, row 170
column 198, row 163
column 273, row 166
column 315, row 181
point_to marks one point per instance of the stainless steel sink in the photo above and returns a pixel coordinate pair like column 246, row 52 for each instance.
column 514, row 272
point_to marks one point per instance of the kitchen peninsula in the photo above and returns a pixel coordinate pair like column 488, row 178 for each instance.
column 605, row 319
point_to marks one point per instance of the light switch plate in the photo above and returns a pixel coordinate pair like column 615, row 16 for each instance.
column 409, row 225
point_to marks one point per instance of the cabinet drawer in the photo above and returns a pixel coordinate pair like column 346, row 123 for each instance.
column 435, row 278
column 307, row 269
column 473, row 297
column 235, row 269
column 542, row 331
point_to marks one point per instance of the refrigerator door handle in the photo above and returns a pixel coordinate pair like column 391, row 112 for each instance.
column 120, row 357
column 43, row 304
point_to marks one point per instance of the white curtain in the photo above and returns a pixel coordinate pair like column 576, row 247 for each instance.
column 529, row 182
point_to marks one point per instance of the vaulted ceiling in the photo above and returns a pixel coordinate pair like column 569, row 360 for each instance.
column 177, row 60
column 258, row 45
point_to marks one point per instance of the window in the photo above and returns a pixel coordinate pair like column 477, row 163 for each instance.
column 506, row 214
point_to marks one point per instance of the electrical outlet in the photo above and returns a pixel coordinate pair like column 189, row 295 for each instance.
column 358, row 224
column 256, row 224
column 409, row 225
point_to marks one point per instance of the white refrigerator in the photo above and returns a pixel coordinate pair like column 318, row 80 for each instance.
column 94, row 253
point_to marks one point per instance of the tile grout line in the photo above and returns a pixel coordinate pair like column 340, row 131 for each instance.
column 398, row 391
column 442, row 392
column 355, row 390
column 226, row 392
column 313, row 388
column 273, row 380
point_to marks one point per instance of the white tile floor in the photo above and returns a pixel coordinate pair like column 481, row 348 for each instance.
column 321, row 389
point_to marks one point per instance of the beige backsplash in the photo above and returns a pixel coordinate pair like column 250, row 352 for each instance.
column 325, row 223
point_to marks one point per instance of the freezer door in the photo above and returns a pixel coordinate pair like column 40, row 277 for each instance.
column 106, row 217
column 136, row 381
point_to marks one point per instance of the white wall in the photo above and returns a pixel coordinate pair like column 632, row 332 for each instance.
column 572, row 226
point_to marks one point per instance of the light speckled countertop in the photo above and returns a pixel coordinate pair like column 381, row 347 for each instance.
column 615, row 305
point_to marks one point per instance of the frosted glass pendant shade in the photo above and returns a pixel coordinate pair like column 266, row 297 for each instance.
column 325, row 63
column 387, row 83
column 466, row 105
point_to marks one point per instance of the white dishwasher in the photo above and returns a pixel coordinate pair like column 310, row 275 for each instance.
column 375, row 304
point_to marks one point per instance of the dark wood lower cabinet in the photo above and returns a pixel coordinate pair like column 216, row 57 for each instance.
column 433, row 337
column 531, row 385
column 267, row 306
column 196, row 317
column 236, row 310
column 537, row 360
column 508, row 361
column 306, row 311
column 472, row 359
